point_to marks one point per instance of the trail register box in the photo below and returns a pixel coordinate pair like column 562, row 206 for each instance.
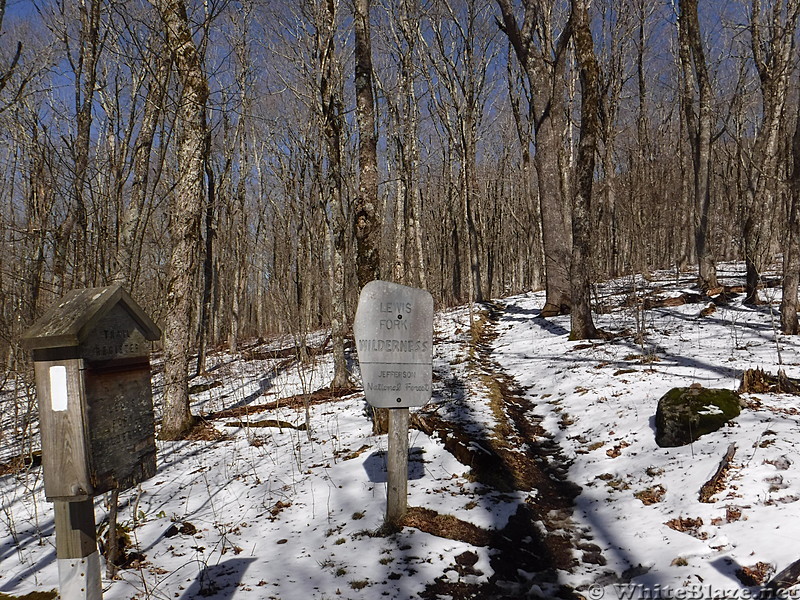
column 91, row 358
column 394, row 339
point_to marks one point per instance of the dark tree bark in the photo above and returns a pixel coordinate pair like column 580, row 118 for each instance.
column 332, row 113
column 5, row 75
column 543, row 60
column 186, row 207
column 582, row 325
column 523, row 125
column 693, row 64
column 40, row 196
column 204, row 322
column 85, row 70
column 366, row 221
column 791, row 254
column 773, row 48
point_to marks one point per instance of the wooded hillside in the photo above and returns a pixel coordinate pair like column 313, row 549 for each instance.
column 244, row 166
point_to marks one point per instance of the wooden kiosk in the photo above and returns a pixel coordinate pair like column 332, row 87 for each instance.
column 91, row 359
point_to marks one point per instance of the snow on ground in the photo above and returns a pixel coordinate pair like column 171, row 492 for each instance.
column 285, row 513
column 608, row 392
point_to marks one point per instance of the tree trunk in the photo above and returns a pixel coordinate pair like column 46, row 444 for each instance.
column 239, row 241
column 544, row 67
column 85, row 71
column 332, row 125
column 366, row 221
column 470, row 196
column 773, row 59
column 40, row 196
column 690, row 49
column 523, row 127
column 400, row 212
column 791, row 254
column 556, row 226
column 582, row 325
column 186, row 208
column 409, row 228
column 204, row 329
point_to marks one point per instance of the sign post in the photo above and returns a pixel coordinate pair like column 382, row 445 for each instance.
column 397, row 466
column 91, row 360
column 394, row 339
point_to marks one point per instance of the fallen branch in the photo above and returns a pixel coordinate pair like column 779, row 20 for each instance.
column 298, row 401
column 715, row 484
column 268, row 423
column 291, row 352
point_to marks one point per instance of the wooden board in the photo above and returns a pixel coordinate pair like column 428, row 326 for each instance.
column 75, row 529
column 121, row 427
column 64, row 444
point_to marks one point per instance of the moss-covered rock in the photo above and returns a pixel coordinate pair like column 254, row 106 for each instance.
column 684, row 414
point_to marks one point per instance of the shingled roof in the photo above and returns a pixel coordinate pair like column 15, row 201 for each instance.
column 70, row 321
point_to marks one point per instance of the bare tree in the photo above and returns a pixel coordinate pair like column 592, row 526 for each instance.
column 331, row 109
column 523, row 125
column 540, row 49
column 582, row 325
column 128, row 260
column 620, row 47
column 186, row 207
column 791, row 253
column 8, row 72
column 772, row 41
column 84, row 67
column 460, row 53
column 698, row 125
column 399, row 92
column 366, row 220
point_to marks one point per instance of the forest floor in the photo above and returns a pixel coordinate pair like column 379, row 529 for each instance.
column 533, row 471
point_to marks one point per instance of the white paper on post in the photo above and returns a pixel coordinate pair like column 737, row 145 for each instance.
column 59, row 400
column 393, row 329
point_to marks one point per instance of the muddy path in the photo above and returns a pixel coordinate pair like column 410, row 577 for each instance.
column 516, row 455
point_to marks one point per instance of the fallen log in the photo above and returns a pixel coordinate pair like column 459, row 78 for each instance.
column 291, row 352
column 757, row 381
column 320, row 396
column 268, row 423
column 715, row 484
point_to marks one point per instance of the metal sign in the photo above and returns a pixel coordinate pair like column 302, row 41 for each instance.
column 394, row 339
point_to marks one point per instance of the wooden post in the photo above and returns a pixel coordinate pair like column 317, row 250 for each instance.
column 397, row 467
column 76, row 551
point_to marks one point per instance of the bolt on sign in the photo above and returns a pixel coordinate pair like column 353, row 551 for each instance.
column 394, row 339
column 91, row 358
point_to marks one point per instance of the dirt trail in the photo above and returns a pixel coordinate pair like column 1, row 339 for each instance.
column 540, row 538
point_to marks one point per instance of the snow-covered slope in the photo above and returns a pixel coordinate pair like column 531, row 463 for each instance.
column 288, row 513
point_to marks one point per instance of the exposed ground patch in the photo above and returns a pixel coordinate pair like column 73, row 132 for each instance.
column 516, row 455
